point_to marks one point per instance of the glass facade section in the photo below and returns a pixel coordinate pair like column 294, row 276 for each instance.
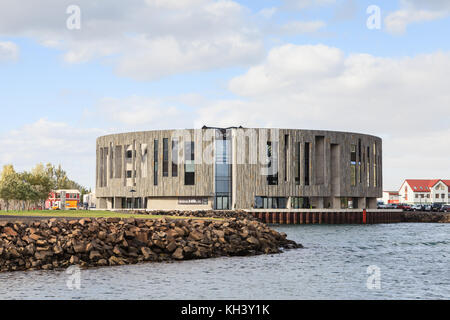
column 222, row 169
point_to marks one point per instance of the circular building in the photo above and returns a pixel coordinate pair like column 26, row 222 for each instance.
column 238, row 168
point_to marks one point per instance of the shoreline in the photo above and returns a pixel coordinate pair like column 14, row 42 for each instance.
column 58, row 243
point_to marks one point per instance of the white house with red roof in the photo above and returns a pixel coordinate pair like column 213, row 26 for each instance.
column 391, row 197
column 421, row 191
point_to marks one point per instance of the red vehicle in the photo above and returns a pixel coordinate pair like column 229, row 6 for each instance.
column 404, row 207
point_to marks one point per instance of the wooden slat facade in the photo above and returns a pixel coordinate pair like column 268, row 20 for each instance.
column 248, row 181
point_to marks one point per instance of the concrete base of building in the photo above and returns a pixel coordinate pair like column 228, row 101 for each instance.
column 207, row 203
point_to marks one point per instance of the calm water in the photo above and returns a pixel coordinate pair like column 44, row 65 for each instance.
column 413, row 259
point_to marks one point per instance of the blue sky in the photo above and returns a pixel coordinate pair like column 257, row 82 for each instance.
column 186, row 63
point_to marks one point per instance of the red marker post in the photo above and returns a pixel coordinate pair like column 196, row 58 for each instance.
column 364, row 216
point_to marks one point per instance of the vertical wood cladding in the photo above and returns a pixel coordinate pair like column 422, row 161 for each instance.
column 325, row 155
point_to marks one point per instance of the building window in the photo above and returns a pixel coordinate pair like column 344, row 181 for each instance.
column 359, row 162
column 129, row 173
column 118, row 163
column 437, row 195
column 353, row 164
column 416, row 196
column 270, row 202
column 223, row 170
column 300, row 203
column 368, row 167
column 286, row 157
column 272, row 155
column 129, row 154
column 165, row 157
column 307, row 164
column 174, row 158
column 189, row 166
column 297, row 163
column 375, row 159
column 155, row 162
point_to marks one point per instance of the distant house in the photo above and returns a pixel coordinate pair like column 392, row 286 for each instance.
column 390, row 197
column 418, row 191
column 63, row 199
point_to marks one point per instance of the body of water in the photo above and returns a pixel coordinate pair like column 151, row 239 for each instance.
column 384, row 261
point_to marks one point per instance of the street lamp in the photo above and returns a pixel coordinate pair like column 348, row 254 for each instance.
column 132, row 198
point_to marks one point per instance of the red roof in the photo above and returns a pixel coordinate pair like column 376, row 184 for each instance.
column 419, row 185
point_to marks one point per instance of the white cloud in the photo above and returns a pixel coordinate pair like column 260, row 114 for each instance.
column 9, row 51
column 57, row 142
column 300, row 27
column 414, row 11
column 144, row 40
column 302, row 4
column 143, row 113
column 403, row 100
column 267, row 13
column 397, row 21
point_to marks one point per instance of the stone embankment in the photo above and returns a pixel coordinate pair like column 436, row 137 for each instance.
column 59, row 243
column 239, row 214
column 420, row 216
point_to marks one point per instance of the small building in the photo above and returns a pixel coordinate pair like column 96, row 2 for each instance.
column 390, row 197
column 89, row 200
column 68, row 199
column 423, row 191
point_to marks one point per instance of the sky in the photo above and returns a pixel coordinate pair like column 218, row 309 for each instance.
column 71, row 71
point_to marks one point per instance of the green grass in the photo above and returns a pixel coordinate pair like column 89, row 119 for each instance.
column 90, row 214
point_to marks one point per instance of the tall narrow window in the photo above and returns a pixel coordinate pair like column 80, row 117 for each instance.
column 353, row 165
column 286, row 157
column 174, row 158
column 297, row 163
column 272, row 155
column 368, row 166
column 307, row 164
column 118, row 160
column 155, row 163
column 359, row 162
column 375, row 177
column 165, row 157
column 189, row 166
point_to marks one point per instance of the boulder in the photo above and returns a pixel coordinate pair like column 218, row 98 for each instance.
column 171, row 246
column 178, row 254
column 95, row 255
column 195, row 235
column 79, row 247
column 74, row 260
column 9, row 231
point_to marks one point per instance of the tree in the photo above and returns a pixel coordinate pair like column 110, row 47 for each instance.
column 35, row 186
column 24, row 191
column 40, row 183
column 9, row 184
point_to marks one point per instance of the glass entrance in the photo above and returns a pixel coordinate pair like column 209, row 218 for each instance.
column 222, row 169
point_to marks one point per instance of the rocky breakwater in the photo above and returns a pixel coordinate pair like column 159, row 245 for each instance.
column 420, row 216
column 59, row 243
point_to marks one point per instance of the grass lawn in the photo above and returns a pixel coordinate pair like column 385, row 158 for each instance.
column 89, row 214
